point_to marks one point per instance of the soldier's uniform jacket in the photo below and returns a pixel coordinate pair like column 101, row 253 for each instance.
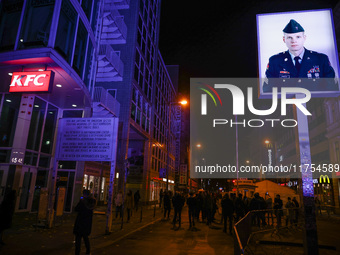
column 281, row 72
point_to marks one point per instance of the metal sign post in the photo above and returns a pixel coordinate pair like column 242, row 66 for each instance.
column 110, row 199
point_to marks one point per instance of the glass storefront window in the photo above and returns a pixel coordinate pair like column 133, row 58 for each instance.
column 36, row 26
column 8, row 119
column 9, row 23
column 37, row 121
column 79, row 56
column 66, row 30
column 49, row 130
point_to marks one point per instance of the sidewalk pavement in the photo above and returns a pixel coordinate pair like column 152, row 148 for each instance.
column 272, row 242
column 24, row 238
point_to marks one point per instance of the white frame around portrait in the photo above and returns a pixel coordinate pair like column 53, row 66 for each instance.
column 319, row 31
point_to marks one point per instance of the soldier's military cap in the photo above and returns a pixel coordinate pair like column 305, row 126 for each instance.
column 293, row 27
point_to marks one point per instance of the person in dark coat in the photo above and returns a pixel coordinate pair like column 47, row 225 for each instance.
column 6, row 212
column 239, row 208
column 167, row 203
column 278, row 209
column 178, row 202
column 199, row 206
column 208, row 202
column 227, row 212
column 136, row 198
column 161, row 196
column 191, row 202
column 83, row 224
column 296, row 203
column 255, row 205
column 129, row 203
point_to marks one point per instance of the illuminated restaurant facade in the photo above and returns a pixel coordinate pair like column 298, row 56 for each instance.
column 81, row 59
column 47, row 44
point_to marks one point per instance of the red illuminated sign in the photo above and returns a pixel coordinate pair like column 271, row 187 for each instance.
column 31, row 81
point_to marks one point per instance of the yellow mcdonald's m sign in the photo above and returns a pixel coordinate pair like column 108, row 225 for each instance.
column 323, row 179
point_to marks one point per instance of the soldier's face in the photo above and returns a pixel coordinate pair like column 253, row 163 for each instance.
column 294, row 41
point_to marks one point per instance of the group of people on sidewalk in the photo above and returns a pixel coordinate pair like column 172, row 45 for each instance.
column 130, row 202
column 205, row 206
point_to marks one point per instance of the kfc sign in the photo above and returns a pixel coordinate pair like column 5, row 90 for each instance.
column 31, row 81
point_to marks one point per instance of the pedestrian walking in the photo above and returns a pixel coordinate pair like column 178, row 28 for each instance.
column 254, row 206
column 167, row 204
column 136, row 198
column 161, row 196
column 239, row 207
column 219, row 206
column 296, row 205
column 83, row 224
column 290, row 214
column 129, row 204
column 199, row 206
column 178, row 202
column 269, row 203
column 262, row 213
column 119, row 204
column 227, row 212
column 246, row 204
column 208, row 202
column 278, row 209
column 6, row 212
column 191, row 202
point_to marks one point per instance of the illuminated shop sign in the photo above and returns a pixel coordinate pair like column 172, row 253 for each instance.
column 31, row 81
column 324, row 179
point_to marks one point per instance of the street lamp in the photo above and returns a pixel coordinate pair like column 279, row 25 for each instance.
column 182, row 102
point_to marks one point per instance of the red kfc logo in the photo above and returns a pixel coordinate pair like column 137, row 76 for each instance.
column 31, row 81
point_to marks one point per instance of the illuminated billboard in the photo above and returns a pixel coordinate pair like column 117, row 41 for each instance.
column 40, row 81
column 297, row 49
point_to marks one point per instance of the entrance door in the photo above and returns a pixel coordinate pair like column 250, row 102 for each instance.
column 26, row 189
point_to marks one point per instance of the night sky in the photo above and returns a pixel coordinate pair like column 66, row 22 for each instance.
column 216, row 39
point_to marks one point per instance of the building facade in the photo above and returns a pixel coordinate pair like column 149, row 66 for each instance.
column 145, row 91
column 57, row 40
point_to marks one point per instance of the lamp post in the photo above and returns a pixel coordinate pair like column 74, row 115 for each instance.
column 182, row 102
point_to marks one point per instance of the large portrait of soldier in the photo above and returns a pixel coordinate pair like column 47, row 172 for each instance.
column 298, row 49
